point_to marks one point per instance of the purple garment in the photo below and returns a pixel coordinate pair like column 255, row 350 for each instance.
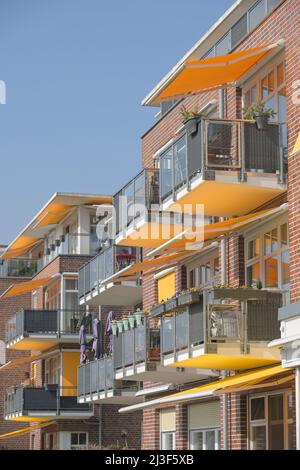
column 82, row 342
column 97, row 338
column 108, row 330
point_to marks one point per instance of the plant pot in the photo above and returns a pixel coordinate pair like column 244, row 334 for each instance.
column 138, row 318
column 188, row 298
column 262, row 122
column 114, row 329
column 171, row 305
column 157, row 310
column 126, row 324
column 191, row 126
column 120, row 326
column 131, row 320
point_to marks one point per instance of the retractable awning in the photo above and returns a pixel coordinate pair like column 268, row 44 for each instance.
column 27, row 286
column 213, row 231
column 297, row 146
column 244, row 380
column 216, row 72
column 21, row 432
column 20, row 361
column 226, row 362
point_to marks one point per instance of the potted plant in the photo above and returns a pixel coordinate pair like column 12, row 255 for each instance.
column 131, row 319
column 120, row 326
column 259, row 284
column 260, row 113
column 190, row 119
column 125, row 323
column 139, row 315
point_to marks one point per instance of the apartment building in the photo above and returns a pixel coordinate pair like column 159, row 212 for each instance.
column 41, row 320
column 200, row 340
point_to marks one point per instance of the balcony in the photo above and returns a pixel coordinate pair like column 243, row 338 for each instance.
column 95, row 288
column 19, row 267
column 228, row 165
column 73, row 244
column 44, row 403
column 137, row 352
column 42, row 329
column 139, row 220
column 96, row 384
column 224, row 321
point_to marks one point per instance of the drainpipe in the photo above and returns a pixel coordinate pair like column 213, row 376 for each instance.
column 222, row 99
column 297, row 392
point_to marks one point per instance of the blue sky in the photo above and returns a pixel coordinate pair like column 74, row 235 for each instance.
column 76, row 72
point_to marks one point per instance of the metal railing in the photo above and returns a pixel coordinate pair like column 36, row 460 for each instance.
column 223, row 316
column 51, row 398
column 18, row 267
column 135, row 198
column 108, row 262
column 96, row 376
column 221, row 144
column 140, row 344
column 46, row 322
column 74, row 244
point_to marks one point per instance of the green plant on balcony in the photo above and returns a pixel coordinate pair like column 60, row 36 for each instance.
column 190, row 119
column 260, row 113
column 131, row 319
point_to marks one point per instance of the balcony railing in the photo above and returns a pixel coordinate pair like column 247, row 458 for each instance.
column 222, row 316
column 108, row 262
column 134, row 200
column 46, row 323
column 73, row 244
column 219, row 144
column 96, row 376
column 18, row 267
column 49, row 400
column 137, row 345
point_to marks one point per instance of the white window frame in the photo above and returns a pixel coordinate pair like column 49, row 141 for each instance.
column 162, row 439
column 265, row 422
column 79, row 446
column 195, row 266
column 205, row 431
column 261, row 258
column 256, row 81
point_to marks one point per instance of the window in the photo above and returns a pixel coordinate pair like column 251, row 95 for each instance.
column 269, row 85
column 168, row 440
column 204, row 274
column 257, row 13
column 173, row 167
column 271, row 421
column 52, row 370
column 79, row 440
column 52, row 296
column 267, row 257
column 239, row 30
column 2, row 353
column 205, row 439
column 51, row 441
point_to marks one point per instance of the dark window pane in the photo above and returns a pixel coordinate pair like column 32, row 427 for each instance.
column 74, row 439
column 238, row 31
column 256, row 14
column 257, row 408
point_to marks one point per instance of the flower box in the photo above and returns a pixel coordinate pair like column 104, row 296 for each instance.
column 171, row 304
column 188, row 298
column 158, row 310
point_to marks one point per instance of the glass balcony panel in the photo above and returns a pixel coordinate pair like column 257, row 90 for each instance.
column 182, row 322
column 168, row 331
column 118, row 351
column 109, row 373
column 94, row 273
column 140, row 343
column 224, row 324
column 166, row 170
column 196, row 326
column 180, row 162
column 128, row 347
column 101, row 374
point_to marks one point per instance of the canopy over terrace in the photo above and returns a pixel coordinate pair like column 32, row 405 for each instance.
column 55, row 210
column 195, row 76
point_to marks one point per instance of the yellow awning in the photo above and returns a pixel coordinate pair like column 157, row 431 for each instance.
column 146, row 265
column 24, row 287
column 215, row 72
column 297, row 146
column 55, row 210
column 225, row 362
column 213, row 231
column 214, row 388
column 20, row 361
column 22, row 431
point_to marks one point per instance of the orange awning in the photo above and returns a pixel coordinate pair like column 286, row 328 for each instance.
column 296, row 149
column 20, row 361
column 26, row 430
column 24, row 287
column 213, row 231
column 215, row 72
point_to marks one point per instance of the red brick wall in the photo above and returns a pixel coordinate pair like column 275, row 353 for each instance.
column 11, row 377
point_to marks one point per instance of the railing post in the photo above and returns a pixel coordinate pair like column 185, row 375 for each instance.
column 173, row 174
column 241, row 150
column 174, row 336
column 205, row 320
